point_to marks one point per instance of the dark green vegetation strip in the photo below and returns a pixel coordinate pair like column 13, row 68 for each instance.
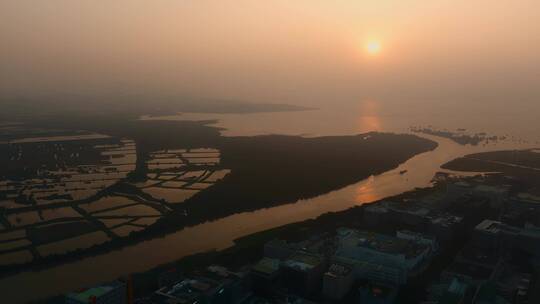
column 524, row 164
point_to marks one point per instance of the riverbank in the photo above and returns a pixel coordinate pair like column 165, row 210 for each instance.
column 521, row 164
column 267, row 171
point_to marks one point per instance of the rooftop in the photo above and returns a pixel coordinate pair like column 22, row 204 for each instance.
column 188, row 290
column 267, row 266
column 494, row 227
column 313, row 244
column 446, row 219
column 489, row 226
column 85, row 294
column 410, row 209
column 338, row 270
column 220, row 274
column 415, row 235
column 383, row 243
column 303, row 261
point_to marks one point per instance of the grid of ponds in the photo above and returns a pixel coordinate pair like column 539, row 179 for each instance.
column 53, row 208
column 56, row 207
column 176, row 175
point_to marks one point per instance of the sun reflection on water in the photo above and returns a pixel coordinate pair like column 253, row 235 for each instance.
column 369, row 119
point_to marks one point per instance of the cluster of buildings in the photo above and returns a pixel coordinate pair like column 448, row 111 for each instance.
column 353, row 264
column 486, row 251
column 107, row 293
column 500, row 263
column 414, row 215
column 213, row 285
column 348, row 265
column 497, row 265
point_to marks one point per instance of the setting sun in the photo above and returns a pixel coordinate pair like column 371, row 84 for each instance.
column 373, row 47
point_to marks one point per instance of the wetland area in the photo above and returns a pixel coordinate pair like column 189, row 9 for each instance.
column 127, row 188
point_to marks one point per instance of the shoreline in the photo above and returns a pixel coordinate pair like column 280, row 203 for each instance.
column 176, row 221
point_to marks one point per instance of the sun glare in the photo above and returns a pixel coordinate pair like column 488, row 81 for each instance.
column 373, row 47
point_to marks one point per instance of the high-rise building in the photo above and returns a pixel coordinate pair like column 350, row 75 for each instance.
column 337, row 281
column 303, row 272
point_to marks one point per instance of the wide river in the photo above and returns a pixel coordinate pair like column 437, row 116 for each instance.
column 219, row 234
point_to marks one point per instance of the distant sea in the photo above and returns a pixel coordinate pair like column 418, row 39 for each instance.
column 519, row 124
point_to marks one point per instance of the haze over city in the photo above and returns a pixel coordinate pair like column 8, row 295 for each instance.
column 260, row 152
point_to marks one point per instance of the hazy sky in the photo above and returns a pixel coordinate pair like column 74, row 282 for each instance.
column 302, row 51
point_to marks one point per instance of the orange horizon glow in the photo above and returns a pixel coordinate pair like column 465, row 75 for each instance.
column 299, row 52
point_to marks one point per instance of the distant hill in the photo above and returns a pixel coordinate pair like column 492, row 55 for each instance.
column 228, row 106
column 24, row 108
